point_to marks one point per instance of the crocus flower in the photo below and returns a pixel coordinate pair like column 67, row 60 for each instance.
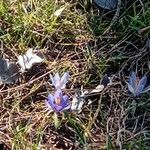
column 59, row 82
column 58, row 102
column 137, row 86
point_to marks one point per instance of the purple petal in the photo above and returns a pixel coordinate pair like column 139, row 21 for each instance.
column 50, row 98
column 58, row 102
column 58, row 94
column 59, row 83
column 64, row 80
column 141, row 85
column 50, row 101
column 133, row 80
column 65, row 103
column 131, row 89
column 55, row 80
column 57, row 77
column 65, row 98
column 57, row 108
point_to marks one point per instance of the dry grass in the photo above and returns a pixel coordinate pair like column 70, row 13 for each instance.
column 75, row 41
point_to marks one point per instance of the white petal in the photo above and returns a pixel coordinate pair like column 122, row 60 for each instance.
column 27, row 60
column 35, row 59
column 77, row 103
column 98, row 89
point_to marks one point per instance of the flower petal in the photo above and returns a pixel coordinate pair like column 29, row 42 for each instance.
column 141, row 85
column 55, row 80
column 131, row 89
column 51, row 98
column 98, row 89
column 65, row 103
column 65, row 100
column 59, row 83
column 64, row 80
column 133, row 80
column 57, row 77
column 77, row 103
column 58, row 102
column 50, row 101
column 58, row 94
column 58, row 108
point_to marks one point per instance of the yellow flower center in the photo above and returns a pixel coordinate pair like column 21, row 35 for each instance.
column 57, row 100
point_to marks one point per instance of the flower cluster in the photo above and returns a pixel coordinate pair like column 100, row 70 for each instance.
column 58, row 102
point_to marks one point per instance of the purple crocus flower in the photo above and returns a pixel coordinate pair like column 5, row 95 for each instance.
column 137, row 86
column 59, row 82
column 58, row 102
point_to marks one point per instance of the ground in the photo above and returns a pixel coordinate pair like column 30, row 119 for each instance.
column 88, row 42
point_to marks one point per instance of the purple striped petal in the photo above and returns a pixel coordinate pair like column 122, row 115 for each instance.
column 58, row 94
column 133, row 80
column 141, row 85
column 58, row 102
column 57, row 108
column 64, row 80
column 50, row 101
column 55, row 80
column 131, row 89
column 65, row 102
column 59, row 83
